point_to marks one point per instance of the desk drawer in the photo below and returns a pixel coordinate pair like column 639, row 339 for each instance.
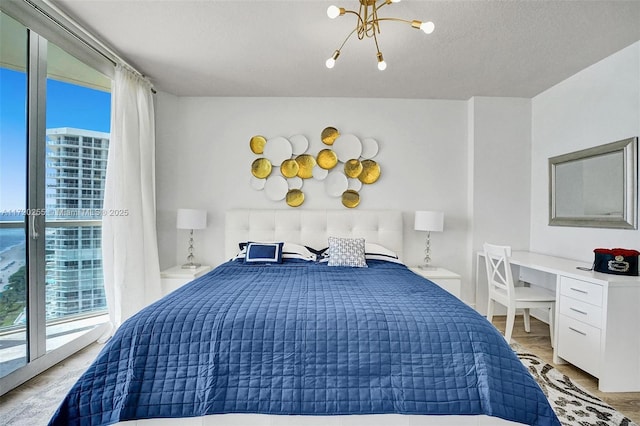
column 579, row 344
column 581, row 290
column 581, row 311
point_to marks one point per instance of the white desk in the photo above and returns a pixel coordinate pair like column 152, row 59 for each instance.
column 597, row 317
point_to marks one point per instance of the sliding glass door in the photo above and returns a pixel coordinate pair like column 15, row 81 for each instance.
column 55, row 123
column 78, row 111
column 13, row 195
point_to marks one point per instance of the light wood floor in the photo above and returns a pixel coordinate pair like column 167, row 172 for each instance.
column 539, row 343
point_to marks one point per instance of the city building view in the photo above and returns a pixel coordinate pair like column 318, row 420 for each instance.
column 76, row 164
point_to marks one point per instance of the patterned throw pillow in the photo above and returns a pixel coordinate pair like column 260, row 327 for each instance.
column 347, row 252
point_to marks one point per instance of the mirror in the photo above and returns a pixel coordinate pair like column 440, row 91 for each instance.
column 595, row 187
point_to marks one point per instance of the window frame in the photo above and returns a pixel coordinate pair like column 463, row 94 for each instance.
column 45, row 25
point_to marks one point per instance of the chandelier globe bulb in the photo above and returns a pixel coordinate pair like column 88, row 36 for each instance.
column 333, row 11
column 382, row 65
column 330, row 63
column 427, row 27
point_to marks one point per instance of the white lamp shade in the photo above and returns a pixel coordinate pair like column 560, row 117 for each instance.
column 429, row 221
column 191, row 219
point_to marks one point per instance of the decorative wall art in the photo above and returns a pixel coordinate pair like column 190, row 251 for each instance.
column 284, row 164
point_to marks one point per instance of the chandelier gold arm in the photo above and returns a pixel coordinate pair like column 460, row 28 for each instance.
column 406, row 21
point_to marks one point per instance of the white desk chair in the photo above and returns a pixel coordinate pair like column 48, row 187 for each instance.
column 503, row 291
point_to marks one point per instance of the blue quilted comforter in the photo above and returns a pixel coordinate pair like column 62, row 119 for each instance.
column 305, row 338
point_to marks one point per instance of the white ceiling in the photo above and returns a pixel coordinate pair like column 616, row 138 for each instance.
column 507, row 48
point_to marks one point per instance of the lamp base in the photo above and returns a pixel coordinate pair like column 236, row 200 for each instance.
column 191, row 266
column 428, row 267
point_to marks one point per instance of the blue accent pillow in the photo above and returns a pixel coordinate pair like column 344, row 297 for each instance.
column 264, row 253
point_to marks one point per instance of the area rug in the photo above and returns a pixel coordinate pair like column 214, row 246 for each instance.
column 573, row 405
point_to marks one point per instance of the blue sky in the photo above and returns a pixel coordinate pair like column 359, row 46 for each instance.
column 68, row 105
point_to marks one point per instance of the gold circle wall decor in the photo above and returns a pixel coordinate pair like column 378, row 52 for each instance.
column 257, row 144
column 350, row 198
column 289, row 168
column 353, row 168
column 305, row 165
column 261, row 168
column 295, row 198
column 327, row 159
column 370, row 172
column 329, row 135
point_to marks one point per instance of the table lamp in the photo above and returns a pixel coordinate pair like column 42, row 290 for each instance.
column 429, row 221
column 191, row 219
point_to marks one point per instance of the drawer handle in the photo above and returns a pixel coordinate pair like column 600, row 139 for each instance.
column 578, row 331
column 579, row 290
column 578, row 311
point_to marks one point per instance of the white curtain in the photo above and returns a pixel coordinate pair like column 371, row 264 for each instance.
column 129, row 240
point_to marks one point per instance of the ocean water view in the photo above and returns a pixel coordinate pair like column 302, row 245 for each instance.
column 12, row 253
column 10, row 237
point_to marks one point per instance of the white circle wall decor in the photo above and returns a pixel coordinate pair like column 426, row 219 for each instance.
column 336, row 183
column 369, row 148
column 277, row 150
column 299, row 143
column 319, row 173
column 276, row 188
column 295, row 183
column 257, row 184
column 355, row 184
column 347, row 147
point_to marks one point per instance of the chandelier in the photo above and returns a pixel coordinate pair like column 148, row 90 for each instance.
column 368, row 25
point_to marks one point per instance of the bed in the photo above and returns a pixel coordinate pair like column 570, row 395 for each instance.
column 301, row 342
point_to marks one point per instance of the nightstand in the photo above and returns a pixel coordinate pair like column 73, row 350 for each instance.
column 446, row 279
column 176, row 277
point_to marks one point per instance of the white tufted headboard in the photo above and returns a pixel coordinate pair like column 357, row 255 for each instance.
column 313, row 227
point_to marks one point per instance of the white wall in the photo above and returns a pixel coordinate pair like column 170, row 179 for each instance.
column 598, row 105
column 203, row 161
column 483, row 162
column 168, row 146
column 499, row 180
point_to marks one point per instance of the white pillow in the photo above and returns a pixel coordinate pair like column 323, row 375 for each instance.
column 377, row 252
column 347, row 252
column 296, row 251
